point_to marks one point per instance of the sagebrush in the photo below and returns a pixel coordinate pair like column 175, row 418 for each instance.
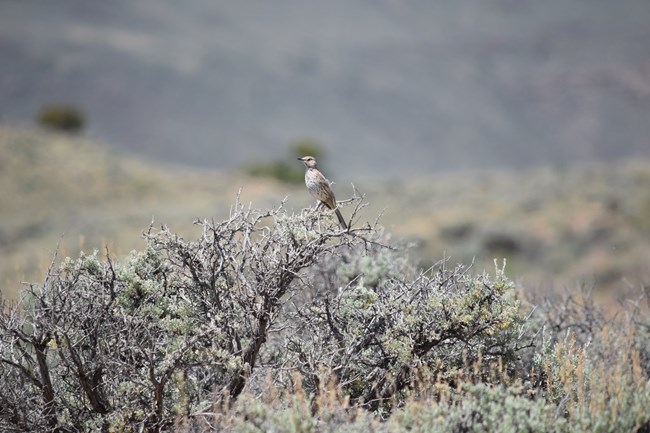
column 273, row 321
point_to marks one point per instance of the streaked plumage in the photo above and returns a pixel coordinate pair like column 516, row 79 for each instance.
column 319, row 187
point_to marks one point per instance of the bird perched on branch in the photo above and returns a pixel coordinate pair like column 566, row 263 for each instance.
column 320, row 187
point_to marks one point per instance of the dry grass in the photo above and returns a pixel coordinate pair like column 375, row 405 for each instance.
column 601, row 386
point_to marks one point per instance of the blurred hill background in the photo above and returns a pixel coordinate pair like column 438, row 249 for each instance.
column 389, row 87
column 557, row 227
column 484, row 128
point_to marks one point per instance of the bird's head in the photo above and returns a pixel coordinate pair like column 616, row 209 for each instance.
column 309, row 161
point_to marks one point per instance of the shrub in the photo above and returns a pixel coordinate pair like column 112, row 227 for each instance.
column 307, row 146
column 279, row 170
column 595, row 370
column 479, row 408
column 65, row 118
column 291, row 171
column 180, row 324
column 385, row 330
column 270, row 321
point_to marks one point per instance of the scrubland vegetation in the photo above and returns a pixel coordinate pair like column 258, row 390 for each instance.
column 277, row 321
column 273, row 319
column 62, row 117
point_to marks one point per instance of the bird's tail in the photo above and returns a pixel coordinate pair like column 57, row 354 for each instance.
column 341, row 220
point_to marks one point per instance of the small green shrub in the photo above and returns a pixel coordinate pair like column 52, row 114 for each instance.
column 478, row 408
column 61, row 117
column 290, row 171
column 307, row 146
column 459, row 231
column 279, row 170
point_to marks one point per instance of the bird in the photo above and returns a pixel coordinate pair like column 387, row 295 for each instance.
column 319, row 187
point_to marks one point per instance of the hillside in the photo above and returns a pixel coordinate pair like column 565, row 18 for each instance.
column 388, row 87
column 59, row 188
column 576, row 226
column 558, row 227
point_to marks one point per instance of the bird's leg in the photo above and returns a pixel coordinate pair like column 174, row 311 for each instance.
column 318, row 207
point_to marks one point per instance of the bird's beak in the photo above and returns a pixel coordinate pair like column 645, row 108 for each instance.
column 299, row 159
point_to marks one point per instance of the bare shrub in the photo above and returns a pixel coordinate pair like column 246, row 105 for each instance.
column 180, row 325
column 177, row 332
column 389, row 327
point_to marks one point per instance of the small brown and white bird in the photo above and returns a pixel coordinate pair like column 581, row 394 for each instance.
column 319, row 187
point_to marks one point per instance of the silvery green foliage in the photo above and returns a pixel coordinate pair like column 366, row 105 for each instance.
column 183, row 327
column 171, row 336
column 388, row 326
column 168, row 333
column 473, row 408
column 480, row 408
